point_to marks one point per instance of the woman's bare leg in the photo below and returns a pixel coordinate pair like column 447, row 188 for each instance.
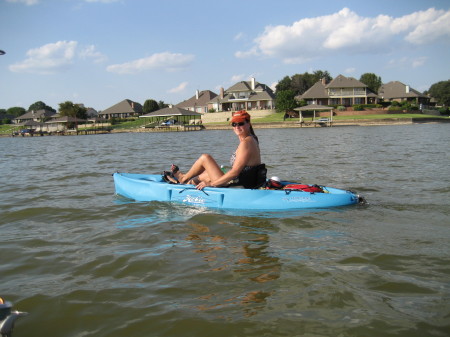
column 205, row 167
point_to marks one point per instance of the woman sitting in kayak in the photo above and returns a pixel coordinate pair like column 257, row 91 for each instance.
column 246, row 168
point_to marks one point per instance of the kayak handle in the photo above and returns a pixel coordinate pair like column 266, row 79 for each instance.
column 192, row 188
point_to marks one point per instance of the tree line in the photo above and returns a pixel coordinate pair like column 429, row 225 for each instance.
column 71, row 109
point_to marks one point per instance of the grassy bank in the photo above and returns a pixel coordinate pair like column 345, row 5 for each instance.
column 273, row 118
column 9, row 128
column 279, row 117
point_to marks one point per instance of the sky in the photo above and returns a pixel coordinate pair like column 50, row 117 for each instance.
column 100, row 52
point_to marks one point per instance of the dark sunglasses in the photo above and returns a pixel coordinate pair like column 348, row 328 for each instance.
column 237, row 124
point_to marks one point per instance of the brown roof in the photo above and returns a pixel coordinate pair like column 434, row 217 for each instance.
column 125, row 106
column 318, row 90
column 203, row 98
column 241, row 86
column 312, row 107
column 345, row 82
column 396, row 89
column 262, row 95
column 36, row 114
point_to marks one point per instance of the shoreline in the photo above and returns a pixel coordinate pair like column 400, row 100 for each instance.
column 347, row 122
column 291, row 124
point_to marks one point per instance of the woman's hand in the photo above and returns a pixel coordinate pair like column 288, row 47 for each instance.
column 201, row 185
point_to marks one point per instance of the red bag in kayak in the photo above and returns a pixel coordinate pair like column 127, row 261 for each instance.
column 304, row 188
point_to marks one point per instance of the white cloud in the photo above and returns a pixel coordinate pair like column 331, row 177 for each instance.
column 273, row 86
column 245, row 54
column 428, row 26
column 237, row 78
column 26, row 2
column 56, row 57
column 179, row 88
column 393, row 63
column 50, row 58
column 90, row 52
column 346, row 31
column 350, row 70
column 407, row 62
column 239, row 36
column 166, row 60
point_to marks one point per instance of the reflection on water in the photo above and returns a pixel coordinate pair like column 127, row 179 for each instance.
column 233, row 258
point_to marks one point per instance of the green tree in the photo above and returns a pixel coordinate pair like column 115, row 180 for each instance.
column 320, row 74
column 80, row 111
column 300, row 83
column 150, row 105
column 72, row 110
column 284, row 84
column 285, row 100
column 372, row 81
column 441, row 92
column 162, row 105
column 39, row 105
column 16, row 111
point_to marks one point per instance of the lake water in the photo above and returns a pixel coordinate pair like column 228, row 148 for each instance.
column 84, row 262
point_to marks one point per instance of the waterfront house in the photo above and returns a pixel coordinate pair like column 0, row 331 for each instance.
column 397, row 91
column 36, row 116
column 247, row 95
column 62, row 123
column 123, row 109
column 198, row 102
column 348, row 91
column 342, row 90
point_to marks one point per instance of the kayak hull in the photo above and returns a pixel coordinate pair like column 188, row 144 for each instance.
column 151, row 187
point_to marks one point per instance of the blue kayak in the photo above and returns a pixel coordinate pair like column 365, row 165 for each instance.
column 152, row 187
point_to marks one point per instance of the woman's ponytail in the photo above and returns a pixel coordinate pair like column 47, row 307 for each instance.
column 253, row 133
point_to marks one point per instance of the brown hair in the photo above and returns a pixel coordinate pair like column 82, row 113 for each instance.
column 252, row 132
